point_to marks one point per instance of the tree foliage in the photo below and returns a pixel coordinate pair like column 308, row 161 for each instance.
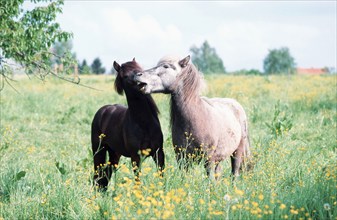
column 248, row 72
column 84, row 68
column 59, row 49
column 26, row 36
column 206, row 59
column 279, row 61
column 97, row 67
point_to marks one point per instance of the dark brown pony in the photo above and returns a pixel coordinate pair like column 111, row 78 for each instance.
column 126, row 131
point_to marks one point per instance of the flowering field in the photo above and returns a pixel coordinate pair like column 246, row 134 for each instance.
column 46, row 165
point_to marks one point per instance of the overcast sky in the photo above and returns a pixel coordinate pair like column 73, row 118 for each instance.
column 242, row 32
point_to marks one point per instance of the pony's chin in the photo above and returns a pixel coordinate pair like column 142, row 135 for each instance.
column 164, row 91
column 148, row 89
column 145, row 89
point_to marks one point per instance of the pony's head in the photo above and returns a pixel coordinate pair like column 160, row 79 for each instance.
column 125, row 76
column 163, row 77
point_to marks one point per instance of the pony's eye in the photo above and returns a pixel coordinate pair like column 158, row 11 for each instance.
column 166, row 66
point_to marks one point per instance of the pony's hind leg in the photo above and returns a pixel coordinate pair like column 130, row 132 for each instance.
column 112, row 164
column 247, row 162
column 236, row 161
column 100, row 178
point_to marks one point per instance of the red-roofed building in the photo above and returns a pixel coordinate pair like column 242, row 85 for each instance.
column 311, row 71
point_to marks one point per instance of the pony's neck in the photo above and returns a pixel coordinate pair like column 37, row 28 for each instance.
column 182, row 112
column 141, row 107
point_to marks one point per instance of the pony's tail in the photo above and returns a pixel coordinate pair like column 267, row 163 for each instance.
column 248, row 160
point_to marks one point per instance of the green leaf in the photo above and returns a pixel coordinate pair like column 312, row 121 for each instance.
column 61, row 168
column 20, row 175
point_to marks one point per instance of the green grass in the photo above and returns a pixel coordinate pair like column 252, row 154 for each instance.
column 46, row 165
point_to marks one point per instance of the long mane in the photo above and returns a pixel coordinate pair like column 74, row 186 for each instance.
column 189, row 85
column 191, row 81
column 153, row 106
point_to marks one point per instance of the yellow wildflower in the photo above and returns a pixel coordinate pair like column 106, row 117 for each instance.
column 201, row 201
column 239, row 192
column 101, row 136
column 283, row 206
column 217, row 213
column 146, row 152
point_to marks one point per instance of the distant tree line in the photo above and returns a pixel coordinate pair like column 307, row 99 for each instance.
column 95, row 68
column 205, row 57
column 277, row 61
column 59, row 48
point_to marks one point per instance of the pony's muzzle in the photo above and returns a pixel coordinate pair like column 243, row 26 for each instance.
column 141, row 86
column 141, row 83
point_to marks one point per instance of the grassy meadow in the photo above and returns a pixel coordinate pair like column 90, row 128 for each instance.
column 46, row 163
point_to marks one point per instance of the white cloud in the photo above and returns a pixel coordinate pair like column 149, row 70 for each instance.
column 130, row 29
column 241, row 32
column 143, row 38
column 244, row 44
column 113, row 33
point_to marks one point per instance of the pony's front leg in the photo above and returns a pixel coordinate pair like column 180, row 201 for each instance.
column 210, row 169
column 159, row 159
column 218, row 170
column 213, row 169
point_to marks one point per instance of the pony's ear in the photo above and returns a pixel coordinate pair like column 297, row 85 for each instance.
column 118, row 80
column 118, row 84
column 117, row 66
column 134, row 59
column 183, row 63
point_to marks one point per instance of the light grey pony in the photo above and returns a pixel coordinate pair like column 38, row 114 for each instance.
column 211, row 128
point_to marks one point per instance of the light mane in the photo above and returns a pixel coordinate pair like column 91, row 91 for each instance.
column 187, row 89
column 189, row 83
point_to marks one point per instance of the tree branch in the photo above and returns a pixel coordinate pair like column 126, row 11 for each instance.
column 41, row 66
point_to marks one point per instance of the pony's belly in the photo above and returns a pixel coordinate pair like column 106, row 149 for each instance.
column 227, row 148
column 218, row 142
column 226, row 135
column 228, row 142
column 116, row 145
